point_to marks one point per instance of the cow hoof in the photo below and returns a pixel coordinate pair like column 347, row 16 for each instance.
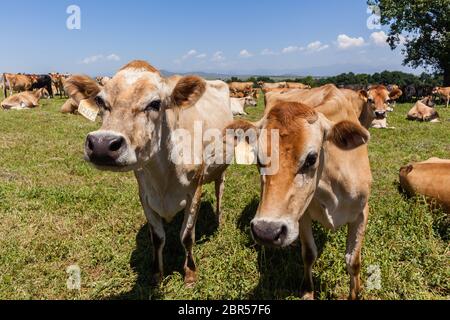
column 190, row 278
column 307, row 296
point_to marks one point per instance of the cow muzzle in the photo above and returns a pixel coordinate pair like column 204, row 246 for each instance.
column 380, row 115
column 269, row 233
column 105, row 149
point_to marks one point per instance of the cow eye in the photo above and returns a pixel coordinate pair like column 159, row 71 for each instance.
column 370, row 100
column 100, row 103
column 388, row 101
column 310, row 160
column 154, row 105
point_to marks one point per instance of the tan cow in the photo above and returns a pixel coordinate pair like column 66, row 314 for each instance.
column 238, row 105
column 423, row 111
column 16, row 83
column 58, row 83
column 340, row 103
column 324, row 175
column 380, row 100
column 78, row 87
column 430, row 178
column 244, row 88
column 265, row 86
column 147, row 123
column 24, row 100
column 297, row 85
column 443, row 92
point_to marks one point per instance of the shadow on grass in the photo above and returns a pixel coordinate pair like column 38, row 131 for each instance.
column 281, row 270
column 141, row 258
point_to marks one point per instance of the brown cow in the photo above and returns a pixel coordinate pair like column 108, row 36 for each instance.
column 324, row 175
column 17, row 83
column 144, row 116
column 443, row 92
column 380, row 100
column 24, row 100
column 430, row 178
column 423, row 111
column 238, row 88
column 297, row 85
column 78, row 87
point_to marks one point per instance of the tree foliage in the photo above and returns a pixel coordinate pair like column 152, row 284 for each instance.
column 423, row 27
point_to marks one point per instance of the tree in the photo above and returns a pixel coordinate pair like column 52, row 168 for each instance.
column 423, row 27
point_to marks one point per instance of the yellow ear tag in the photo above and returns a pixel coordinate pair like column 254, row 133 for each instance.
column 88, row 109
column 245, row 154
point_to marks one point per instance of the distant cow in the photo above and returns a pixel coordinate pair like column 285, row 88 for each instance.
column 424, row 110
column 430, row 178
column 380, row 100
column 238, row 105
column 24, row 100
column 443, row 92
column 297, row 85
column 58, row 83
column 16, row 83
column 244, row 88
column 268, row 86
column 42, row 81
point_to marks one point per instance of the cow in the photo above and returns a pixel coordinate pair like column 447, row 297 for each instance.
column 58, row 83
column 244, row 88
column 297, row 85
column 238, row 105
column 380, row 100
column 24, row 100
column 323, row 175
column 143, row 117
column 16, row 83
column 268, row 86
column 423, row 110
column 443, row 92
column 330, row 96
column 430, row 178
column 42, row 81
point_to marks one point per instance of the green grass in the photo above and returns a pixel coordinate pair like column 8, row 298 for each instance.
column 55, row 211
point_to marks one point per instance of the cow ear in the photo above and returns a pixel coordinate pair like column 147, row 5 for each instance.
column 348, row 135
column 364, row 95
column 395, row 94
column 80, row 87
column 188, row 91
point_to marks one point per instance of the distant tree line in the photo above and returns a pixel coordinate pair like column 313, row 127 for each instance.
column 386, row 77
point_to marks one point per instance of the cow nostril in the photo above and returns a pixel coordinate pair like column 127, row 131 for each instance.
column 116, row 144
column 281, row 233
column 90, row 143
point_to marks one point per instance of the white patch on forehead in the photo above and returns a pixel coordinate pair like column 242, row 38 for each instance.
column 131, row 76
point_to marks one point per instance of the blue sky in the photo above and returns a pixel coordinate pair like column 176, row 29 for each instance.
column 315, row 37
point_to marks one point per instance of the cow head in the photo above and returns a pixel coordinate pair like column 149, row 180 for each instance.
column 379, row 99
column 133, row 106
column 250, row 101
column 287, row 193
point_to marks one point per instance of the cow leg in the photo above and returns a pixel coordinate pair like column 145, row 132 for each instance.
column 309, row 255
column 158, row 237
column 187, row 236
column 220, row 187
column 355, row 239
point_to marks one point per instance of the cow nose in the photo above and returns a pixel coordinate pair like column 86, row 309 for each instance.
column 269, row 233
column 380, row 114
column 104, row 149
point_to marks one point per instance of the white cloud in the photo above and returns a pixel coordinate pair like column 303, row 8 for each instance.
column 218, row 57
column 201, row 56
column 317, row 46
column 190, row 54
column 245, row 54
column 345, row 42
column 267, row 52
column 379, row 38
column 292, row 49
column 100, row 57
column 113, row 57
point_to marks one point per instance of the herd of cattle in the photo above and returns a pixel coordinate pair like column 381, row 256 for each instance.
column 324, row 171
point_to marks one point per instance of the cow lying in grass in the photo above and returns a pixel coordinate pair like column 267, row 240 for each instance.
column 25, row 100
column 238, row 105
column 430, row 178
column 323, row 175
column 140, row 112
column 424, row 110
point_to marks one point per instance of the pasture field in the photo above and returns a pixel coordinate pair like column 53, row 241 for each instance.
column 57, row 211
